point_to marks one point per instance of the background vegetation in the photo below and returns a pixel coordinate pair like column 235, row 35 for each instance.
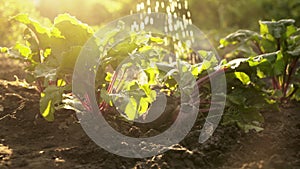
column 215, row 17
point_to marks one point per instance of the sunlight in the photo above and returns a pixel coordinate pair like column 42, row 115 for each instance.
column 111, row 6
column 36, row 2
column 93, row 12
column 149, row 84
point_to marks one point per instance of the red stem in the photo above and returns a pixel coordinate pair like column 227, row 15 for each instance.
column 275, row 83
column 103, row 105
column 292, row 71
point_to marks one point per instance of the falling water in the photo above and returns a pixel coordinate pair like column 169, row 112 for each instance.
column 175, row 9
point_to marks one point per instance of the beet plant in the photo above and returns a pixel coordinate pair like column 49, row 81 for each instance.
column 262, row 69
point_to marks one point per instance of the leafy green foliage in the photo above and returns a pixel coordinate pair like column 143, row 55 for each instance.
column 139, row 67
column 267, row 66
column 10, row 31
column 144, row 72
column 51, row 53
column 272, row 54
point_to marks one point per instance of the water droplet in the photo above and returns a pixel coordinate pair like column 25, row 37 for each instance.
column 175, row 27
column 142, row 5
column 175, row 15
column 189, row 14
column 176, row 4
column 191, row 33
column 179, row 6
column 186, row 6
column 165, row 41
column 173, row 38
column 146, row 20
column 157, row 4
column 141, row 16
column 183, row 34
column 138, row 8
column 142, row 26
column 162, row 5
column 168, row 10
column 166, row 29
column 172, row 8
column 170, row 27
column 188, row 43
column 170, row 19
column 151, row 21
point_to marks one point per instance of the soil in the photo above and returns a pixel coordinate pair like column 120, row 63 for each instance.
column 27, row 141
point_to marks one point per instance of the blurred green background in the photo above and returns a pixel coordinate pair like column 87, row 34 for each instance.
column 216, row 18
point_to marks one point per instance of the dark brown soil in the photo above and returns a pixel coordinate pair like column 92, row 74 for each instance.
column 29, row 142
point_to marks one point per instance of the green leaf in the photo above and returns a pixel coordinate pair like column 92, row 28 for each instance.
column 252, row 115
column 248, row 127
column 157, row 40
column 141, row 39
column 152, row 73
column 233, row 64
column 290, row 30
column 32, row 24
column 279, row 65
column 268, row 46
column 295, row 52
column 108, row 76
column 43, row 70
column 30, row 78
column 50, row 98
column 67, row 60
column 74, row 31
column 24, row 50
column 143, row 106
column 236, row 99
column 48, row 112
column 131, row 109
column 42, row 33
column 223, row 43
column 197, row 69
column 260, row 73
column 106, row 97
column 3, row 49
column 243, row 77
column 263, row 28
column 296, row 96
column 47, row 52
column 61, row 83
column 151, row 94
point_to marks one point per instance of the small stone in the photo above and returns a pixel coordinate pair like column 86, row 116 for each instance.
column 59, row 160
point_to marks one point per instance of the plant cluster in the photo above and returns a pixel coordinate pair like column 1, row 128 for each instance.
column 262, row 69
